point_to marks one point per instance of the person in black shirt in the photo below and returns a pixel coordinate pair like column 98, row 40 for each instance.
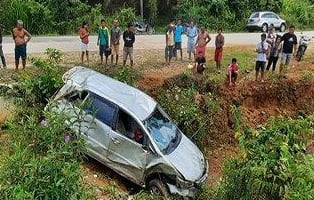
column 200, row 62
column 290, row 42
column 129, row 39
column 1, row 51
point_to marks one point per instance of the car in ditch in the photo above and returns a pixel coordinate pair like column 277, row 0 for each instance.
column 128, row 131
column 262, row 20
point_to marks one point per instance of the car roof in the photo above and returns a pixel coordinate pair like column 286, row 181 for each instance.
column 128, row 98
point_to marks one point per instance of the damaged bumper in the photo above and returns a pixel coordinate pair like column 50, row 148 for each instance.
column 188, row 189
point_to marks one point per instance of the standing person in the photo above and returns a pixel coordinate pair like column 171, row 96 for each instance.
column 290, row 42
column 178, row 31
column 202, row 40
column 103, row 41
column 129, row 39
column 261, row 49
column 169, row 45
column 19, row 34
column 84, row 36
column 4, row 64
column 274, row 54
column 219, row 43
column 115, row 34
column 191, row 33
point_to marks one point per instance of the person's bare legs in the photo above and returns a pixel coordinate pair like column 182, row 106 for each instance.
column 106, row 60
column 82, row 57
column 24, row 63
column 17, row 62
column 124, row 62
column 101, row 59
column 181, row 53
column 131, row 62
column 112, row 58
column 262, row 76
column 256, row 76
column 87, row 56
column 117, row 58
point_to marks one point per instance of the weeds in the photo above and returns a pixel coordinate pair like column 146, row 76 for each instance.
column 307, row 75
column 127, row 75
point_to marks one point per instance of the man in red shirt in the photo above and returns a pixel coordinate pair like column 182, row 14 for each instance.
column 84, row 34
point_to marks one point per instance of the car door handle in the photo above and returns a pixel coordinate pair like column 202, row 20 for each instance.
column 115, row 141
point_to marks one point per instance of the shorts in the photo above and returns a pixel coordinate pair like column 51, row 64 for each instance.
column 286, row 58
column 1, row 51
column 104, row 50
column 169, row 52
column 20, row 52
column 191, row 47
column 84, row 47
column 178, row 45
column 200, row 50
column 218, row 54
column 115, row 49
column 127, row 51
column 260, row 66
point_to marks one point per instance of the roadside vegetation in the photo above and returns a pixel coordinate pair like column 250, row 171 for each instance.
column 64, row 17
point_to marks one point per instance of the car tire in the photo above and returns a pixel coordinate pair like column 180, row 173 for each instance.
column 282, row 28
column 264, row 28
column 158, row 188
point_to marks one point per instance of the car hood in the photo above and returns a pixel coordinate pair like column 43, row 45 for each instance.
column 188, row 160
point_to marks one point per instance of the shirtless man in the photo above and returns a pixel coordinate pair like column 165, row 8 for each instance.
column 202, row 40
column 19, row 34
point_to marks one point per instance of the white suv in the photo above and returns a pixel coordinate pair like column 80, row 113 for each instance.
column 262, row 20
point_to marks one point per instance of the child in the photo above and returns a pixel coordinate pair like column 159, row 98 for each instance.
column 233, row 72
column 84, row 34
column 262, row 50
column 129, row 39
column 169, row 45
column 200, row 62
column 1, row 51
column 274, row 53
column 219, row 43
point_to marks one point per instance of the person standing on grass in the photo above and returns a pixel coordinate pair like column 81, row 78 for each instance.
column 274, row 52
column 103, row 41
column 129, row 39
column 84, row 36
column 178, row 31
column 202, row 40
column 115, row 34
column 262, row 50
column 169, row 45
column 290, row 42
column 19, row 36
column 219, row 43
column 191, row 33
column 4, row 64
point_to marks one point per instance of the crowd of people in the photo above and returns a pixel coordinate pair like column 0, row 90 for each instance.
column 269, row 49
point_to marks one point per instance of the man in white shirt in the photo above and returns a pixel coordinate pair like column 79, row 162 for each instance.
column 261, row 49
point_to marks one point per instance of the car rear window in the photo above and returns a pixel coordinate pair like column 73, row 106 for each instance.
column 255, row 15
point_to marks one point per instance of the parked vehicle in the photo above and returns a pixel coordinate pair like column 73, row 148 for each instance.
column 130, row 133
column 262, row 20
column 303, row 43
column 143, row 28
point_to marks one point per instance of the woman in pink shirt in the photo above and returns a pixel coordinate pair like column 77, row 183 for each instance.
column 84, row 34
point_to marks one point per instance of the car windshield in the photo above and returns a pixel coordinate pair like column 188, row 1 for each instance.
column 255, row 15
column 164, row 132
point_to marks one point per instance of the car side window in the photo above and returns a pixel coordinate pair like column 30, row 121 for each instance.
column 128, row 127
column 102, row 109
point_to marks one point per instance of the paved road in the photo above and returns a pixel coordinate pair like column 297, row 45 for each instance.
column 72, row 44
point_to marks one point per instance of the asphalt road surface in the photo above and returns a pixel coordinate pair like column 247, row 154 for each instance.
column 72, row 43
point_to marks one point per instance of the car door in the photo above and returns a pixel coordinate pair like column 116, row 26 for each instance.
column 276, row 20
column 99, row 118
column 126, row 155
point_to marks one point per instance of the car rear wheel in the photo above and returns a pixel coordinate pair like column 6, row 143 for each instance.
column 265, row 28
column 158, row 188
column 282, row 28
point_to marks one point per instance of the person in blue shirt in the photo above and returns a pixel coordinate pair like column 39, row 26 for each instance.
column 178, row 31
column 191, row 33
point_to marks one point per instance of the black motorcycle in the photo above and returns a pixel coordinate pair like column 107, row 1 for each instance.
column 143, row 28
column 303, row 44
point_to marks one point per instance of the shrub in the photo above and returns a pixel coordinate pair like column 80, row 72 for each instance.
column 127, row 75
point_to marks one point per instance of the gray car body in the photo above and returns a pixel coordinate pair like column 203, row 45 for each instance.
column 258, row 19
column 183, row 170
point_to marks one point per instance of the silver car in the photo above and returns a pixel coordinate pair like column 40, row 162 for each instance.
column 130, row 133
column 262, row 21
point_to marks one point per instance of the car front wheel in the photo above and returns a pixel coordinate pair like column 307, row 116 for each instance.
column 158, row 188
